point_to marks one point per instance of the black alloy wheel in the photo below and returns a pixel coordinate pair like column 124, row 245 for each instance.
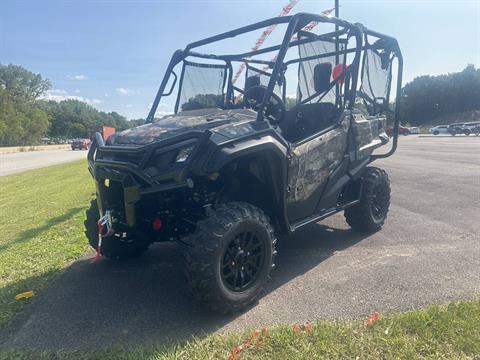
column 380, row 200
column 243, row 261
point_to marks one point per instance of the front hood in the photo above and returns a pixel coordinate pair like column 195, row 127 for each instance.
column 183, row 122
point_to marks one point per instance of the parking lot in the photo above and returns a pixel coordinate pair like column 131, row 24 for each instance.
column 428, row 252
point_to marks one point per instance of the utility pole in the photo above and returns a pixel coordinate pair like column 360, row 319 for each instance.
column 337, row 13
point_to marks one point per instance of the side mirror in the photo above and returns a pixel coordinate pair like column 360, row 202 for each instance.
column 321, row 77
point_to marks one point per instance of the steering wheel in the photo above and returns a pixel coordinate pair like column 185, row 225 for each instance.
column 274, row 108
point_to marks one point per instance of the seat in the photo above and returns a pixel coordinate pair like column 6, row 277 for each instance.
column 306, row 120
column 252, row 81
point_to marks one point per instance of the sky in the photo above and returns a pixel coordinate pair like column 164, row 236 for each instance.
column 113, row 53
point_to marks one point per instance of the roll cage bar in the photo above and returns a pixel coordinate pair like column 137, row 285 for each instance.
column 295, row 25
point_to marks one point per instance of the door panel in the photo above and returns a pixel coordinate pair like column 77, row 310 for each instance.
column 311, row 164
column 367, row 131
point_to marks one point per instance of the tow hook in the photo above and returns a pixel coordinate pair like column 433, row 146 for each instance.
column 105, row 222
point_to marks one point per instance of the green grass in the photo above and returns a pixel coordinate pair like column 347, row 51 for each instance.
column 449, row 331
column 440, row 332
column 41, row 227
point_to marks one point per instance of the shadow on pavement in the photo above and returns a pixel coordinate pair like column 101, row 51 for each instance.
column 145, row 300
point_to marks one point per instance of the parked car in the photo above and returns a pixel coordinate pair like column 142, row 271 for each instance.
column 414, row 130
column 402, row 130
column 81, row 144
column 439, row 129
column 473, row 127
column 458, row 128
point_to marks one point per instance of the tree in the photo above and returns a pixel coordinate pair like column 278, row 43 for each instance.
column 428, row 97
column 203, row 101
column 22, row 83
column 290, row 102
column 21, row 123
column 76, row 119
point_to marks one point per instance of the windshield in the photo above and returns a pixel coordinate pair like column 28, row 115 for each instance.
column 202, row 86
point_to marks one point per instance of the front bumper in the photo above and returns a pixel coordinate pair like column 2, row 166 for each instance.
column 125, row 166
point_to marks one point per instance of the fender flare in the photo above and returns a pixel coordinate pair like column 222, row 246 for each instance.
column 274, row 156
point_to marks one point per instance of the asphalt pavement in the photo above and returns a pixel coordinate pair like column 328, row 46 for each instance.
column 428, row 252
column 23, row 161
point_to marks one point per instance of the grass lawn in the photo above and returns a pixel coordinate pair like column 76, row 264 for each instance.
column 440, row 332
column 41, row 221
column 41, row 227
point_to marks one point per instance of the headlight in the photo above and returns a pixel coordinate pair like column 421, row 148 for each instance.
column 162, row 160
column 183, row 154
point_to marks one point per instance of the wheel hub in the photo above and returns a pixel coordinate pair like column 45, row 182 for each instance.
column 377, row 202
column 243, row 261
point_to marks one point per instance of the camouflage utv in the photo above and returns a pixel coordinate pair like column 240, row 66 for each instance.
column 233, row 167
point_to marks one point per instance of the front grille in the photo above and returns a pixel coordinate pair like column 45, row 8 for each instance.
column 133, row 158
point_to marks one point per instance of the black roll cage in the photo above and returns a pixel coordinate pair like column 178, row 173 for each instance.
column 295, row 25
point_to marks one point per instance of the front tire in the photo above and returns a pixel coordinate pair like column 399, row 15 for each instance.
column 229, row 257
column 370, row 213
column 114, row 247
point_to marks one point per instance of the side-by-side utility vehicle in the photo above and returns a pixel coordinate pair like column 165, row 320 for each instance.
column 243, row 159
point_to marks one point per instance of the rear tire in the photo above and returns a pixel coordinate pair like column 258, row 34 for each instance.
column 370, row 213
column 113, row 247
column 229, row 257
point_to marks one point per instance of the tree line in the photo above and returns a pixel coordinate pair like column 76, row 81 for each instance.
column 427, row 98
column 25, row 118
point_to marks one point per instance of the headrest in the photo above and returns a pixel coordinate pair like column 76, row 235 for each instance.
column 251, row 81
column 321, row 76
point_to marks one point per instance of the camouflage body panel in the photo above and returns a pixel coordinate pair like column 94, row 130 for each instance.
column 367, row 131
column 313, row 161
column 183, row 122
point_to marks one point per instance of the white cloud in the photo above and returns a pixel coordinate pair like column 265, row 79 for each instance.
column 124, row 91
column 76, row 91
column 60, row 95
column 77, row 77
column 162, row 105
column 57, row 92
column 129, row 105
